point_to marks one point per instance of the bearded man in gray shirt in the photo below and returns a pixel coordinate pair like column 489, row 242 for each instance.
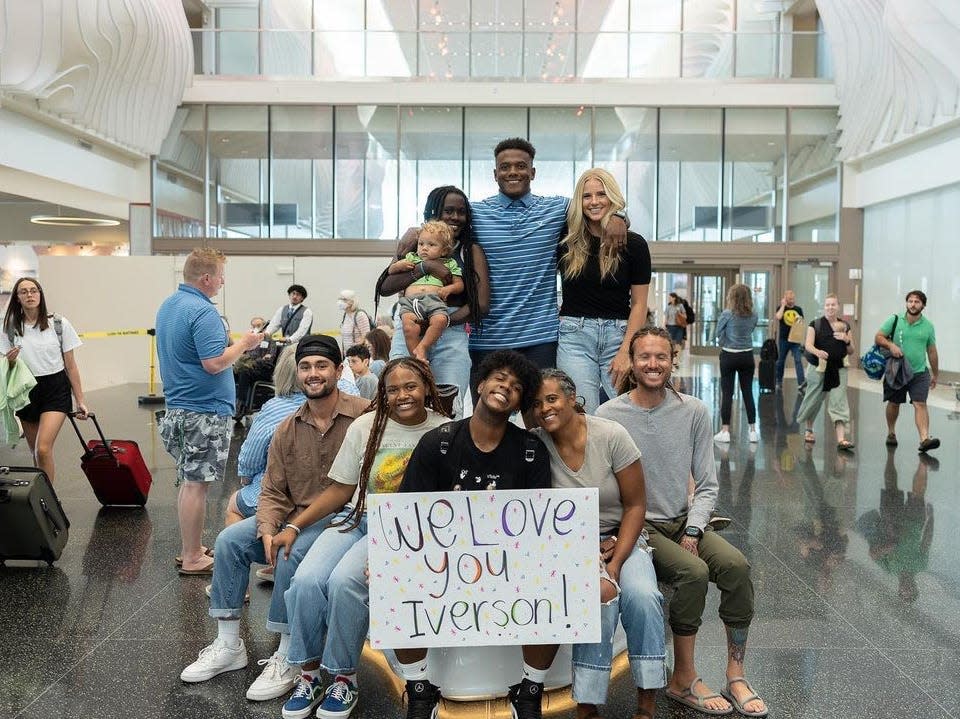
column 674, row 434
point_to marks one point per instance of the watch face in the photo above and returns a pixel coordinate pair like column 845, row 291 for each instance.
column 692, row 532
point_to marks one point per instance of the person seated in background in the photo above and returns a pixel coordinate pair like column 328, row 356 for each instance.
column 294, row 320
column 358, row 358
column 424, row 302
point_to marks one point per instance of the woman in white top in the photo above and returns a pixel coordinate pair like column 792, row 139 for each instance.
column 45, row 342
column 589, row 451
column 354, row 325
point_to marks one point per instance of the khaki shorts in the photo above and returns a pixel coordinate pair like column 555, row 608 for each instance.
column 199, row 442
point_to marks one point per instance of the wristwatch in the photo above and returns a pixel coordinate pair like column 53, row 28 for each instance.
column 693, row 532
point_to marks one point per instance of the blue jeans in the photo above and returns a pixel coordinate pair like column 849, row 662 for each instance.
column 783, row 346
column 238, row 547
column 586, row 349
column 348, row 612
column 640, row 608
column 676, row 334
column 449, row 357
column 307, row 598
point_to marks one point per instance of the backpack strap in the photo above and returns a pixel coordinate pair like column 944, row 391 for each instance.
column 529, row 447
column 446, row 435
column 58, row 328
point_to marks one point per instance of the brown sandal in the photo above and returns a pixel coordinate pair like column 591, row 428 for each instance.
column 178, row 560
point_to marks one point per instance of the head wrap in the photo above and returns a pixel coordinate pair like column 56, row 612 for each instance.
column 322, row 345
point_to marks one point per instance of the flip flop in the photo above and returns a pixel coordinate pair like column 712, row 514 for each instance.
column 205, row 571
column 809, row 437
column 729, row 696
column 178, row 560
column 845, row 444
column 691, row 699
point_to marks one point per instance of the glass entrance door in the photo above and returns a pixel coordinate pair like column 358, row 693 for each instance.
column 709, row 290
column 758, row 280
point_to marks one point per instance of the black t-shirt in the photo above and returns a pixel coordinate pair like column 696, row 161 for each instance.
column 784, row 327
column 823, row 339
column 587, row 296
column 520, row 461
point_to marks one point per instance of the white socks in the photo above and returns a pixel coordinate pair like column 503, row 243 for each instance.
column 284, row 644
column 535, row 675
column 228, row 631
column 415, row 671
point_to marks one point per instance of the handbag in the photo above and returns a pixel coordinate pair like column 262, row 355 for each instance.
column 798, row 332
column 874, row 360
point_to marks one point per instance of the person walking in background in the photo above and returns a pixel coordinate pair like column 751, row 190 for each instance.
column 195, row 363
column 675, row 316
column 911, row 337
column 378, row 342
column 355, row 322
column 45, row 342
column 788, row 314
column 828, row 344
column 604, row 295
column 735, row 337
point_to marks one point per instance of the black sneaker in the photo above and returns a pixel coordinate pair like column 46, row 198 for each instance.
column 423, row 700
column 525, row 700
column 928, row 444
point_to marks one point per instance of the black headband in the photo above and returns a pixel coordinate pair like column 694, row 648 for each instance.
column 322, row 345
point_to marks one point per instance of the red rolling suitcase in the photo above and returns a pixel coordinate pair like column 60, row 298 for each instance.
column 114, row 468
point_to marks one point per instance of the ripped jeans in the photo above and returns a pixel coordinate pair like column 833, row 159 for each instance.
column 640, row 608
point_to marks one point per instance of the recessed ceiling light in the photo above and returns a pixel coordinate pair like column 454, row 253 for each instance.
column 67, row 221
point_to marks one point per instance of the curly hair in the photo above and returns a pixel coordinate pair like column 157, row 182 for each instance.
column 525, row 371
column 381, row 409
column 514, row 143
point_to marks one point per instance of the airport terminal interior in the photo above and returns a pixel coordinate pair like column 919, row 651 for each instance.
column 802, row 145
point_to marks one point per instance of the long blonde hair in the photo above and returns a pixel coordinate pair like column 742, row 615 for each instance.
column 577, row 241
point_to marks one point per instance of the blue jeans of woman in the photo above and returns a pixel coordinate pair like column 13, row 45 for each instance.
column 308, row 598
column 640, row 608
column 676, row 334
column 238, row 547
column 586, row 349
column 449, row 357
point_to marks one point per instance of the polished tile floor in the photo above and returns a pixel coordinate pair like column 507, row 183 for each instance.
column 857, row 582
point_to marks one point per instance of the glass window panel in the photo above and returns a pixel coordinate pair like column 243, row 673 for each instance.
column 399, row 15
column 562, row 138
column 542, row 15
column 444, row 55
column 178, row 182
column 602, row 54
column 756, row 41
column 611, row 16
column 497, row 55
column 431, row 155
column 549, row 55
column 237, row 41
column 302, row 153
column 484, row 128
column 391, row 54
column 690, row 163
column 753, row 174
column 339, row 53
column 366, row 172
column 238, row 170
column 625, row 144
column 349, row 15
column 287, row 53
column 496, row 15
column 654, row 54
column 444, row 15
column 814, row 188
column 655, row 15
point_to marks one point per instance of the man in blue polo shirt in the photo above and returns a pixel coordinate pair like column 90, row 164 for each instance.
column 519, row 233
column 195, row 364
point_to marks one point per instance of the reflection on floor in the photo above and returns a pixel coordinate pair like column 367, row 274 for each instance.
column 857, row 582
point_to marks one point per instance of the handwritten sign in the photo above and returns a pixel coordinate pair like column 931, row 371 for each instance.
column 485, row 567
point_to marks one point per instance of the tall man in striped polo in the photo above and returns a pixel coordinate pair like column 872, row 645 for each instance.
column 519, row 232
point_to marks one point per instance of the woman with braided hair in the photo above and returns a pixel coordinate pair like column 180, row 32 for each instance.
column 327, row 599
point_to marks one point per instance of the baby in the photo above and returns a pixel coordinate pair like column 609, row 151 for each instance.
column 425, row 301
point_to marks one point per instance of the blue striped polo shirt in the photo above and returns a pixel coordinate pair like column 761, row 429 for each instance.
column 519, row 238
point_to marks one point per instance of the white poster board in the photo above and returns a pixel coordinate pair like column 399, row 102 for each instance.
column 484, row 568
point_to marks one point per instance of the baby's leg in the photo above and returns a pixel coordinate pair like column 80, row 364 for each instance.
column 438, row 322
column 411, row 330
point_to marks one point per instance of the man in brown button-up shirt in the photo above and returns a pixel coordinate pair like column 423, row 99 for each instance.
column 300, row 455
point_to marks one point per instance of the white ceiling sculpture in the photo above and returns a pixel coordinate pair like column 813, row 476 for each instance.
column 897, row 67
column 116, row 69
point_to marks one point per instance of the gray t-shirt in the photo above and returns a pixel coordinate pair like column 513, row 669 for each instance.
column 367, row 385
column 392, row 456
column 676, row 440
column 609, row 449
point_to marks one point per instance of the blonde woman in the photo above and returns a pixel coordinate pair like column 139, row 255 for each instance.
column 604, row 296
column 355, row 323
column 735, row 337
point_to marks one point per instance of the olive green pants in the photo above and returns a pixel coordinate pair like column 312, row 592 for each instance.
column 718, row 562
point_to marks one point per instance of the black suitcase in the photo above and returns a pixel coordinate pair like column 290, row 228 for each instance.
column 32, row 522
column 768, row 375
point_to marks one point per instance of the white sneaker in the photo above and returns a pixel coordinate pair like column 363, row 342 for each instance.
column 722, row 436
column 215, row 659
column 277, row 678
column 754, row 437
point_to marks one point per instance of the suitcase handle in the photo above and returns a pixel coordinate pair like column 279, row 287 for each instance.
column 83, row 444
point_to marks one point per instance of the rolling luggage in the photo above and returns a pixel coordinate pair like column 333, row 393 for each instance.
column 114, row 468
column 32, row 522
column 768, row 375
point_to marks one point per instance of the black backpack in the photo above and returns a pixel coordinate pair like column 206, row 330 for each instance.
column 688, row 310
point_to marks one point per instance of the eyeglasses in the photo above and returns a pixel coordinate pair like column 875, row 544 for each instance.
column 28, row 291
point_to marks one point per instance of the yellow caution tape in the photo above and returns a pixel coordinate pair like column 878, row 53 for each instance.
column 112, row 333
